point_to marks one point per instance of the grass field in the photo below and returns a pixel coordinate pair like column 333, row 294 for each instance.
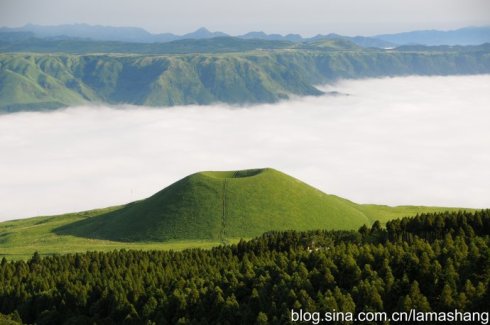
column 202, row 210
column 19, row 239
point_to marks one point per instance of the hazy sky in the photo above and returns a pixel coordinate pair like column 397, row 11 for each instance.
column 307, row 17
column 422, row 140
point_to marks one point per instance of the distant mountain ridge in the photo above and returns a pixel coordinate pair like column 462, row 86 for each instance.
column 463, row 36
column 108, row 33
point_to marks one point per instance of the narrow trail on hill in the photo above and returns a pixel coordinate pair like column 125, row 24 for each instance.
column 223, row 215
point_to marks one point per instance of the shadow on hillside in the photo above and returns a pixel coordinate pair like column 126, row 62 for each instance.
column 96, row 227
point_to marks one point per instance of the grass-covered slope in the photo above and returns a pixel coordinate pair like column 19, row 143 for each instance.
column 45, row 81
column 31, row 82
column 220, row 205
column 45, row 84
column 201, row 210
column 19, row 239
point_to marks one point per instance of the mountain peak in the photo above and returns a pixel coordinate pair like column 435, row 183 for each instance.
column 202, row 30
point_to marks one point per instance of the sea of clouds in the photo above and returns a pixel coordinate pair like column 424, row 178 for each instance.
column 396, row 141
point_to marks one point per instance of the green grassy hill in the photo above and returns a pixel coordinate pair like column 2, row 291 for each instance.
column 222, row 205
column 201, row 210
column 36, row 81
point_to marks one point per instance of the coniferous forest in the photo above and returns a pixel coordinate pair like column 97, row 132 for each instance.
column 431, row 262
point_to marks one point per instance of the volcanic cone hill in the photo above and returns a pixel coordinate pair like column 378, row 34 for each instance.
column 221, row 205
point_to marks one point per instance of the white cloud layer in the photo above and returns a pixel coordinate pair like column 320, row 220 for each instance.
column 397, row 141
